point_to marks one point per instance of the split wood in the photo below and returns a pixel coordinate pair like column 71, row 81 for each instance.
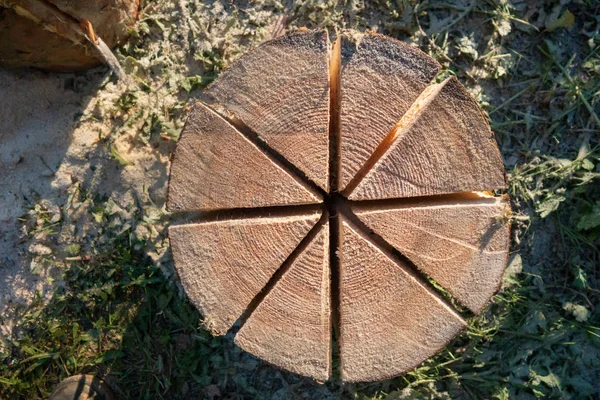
column 336, row 183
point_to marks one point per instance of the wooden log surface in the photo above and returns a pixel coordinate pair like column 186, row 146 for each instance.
column 216, row 167
column 223, row 265
column 291, row 327
column 381, row 78
column 281, row 91
column 445, row 146
column 462, row 245
column 403, row 168
column 389, row 322
column 47, row 33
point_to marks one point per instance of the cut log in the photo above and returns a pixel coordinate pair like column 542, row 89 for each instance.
column 462, row 245
column 216, row 167
column 281, row 91
column 50, row 34
column 402, row 149
column 381, row 78
column 291, row 327
column 224, row 265
column 444, row 146
column 389, row 322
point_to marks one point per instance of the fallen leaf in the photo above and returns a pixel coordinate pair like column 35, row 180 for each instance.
column 119, row 157
column 565, row 21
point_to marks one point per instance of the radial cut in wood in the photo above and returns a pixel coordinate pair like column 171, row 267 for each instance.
column 462, row 245
column 389, row 322
column 216, row 167
column 280, row 90
column 291, row 327
column 224, row 265
column 381, row 78
column 446, row 146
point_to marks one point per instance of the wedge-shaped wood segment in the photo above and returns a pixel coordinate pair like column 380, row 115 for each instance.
column 281, row 91
column 224, row 265
column 216, row 167
column 291, row 327
column 381, row 78
column 446, row 146
column 389, row 322
column 462, row 245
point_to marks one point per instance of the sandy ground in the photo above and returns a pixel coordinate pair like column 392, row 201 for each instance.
column 51, row 133
column 38, row 147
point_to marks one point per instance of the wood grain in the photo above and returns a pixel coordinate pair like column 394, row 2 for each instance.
column 389, row 322
column 224, row 265
column 407, row 159
column 381, row 78
column 463, row 246
column 216, row 167
column 281, row 91
column 446, row 147
column 291, row 327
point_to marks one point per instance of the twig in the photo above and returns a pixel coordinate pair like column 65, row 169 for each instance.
column 46, row 165
column 431, row 42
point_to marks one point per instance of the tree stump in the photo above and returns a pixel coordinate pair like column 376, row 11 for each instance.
column 335, row 183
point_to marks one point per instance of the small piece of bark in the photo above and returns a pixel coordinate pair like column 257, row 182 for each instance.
column 389, row 322
column 381, row 78
column 224, row 265
column 291, row 327
column 216, row 167
column 462, row 245
column 445, row 147
column 280, row 90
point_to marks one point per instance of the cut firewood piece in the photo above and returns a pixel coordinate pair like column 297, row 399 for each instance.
column 291, row 327
column 381, row 78
column 216, row 167
column 463, row 246
column 389, row 322
column 224, row 265
column 445, row 146
column 280, row 90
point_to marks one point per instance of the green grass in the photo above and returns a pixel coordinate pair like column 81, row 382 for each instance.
column 537, row 76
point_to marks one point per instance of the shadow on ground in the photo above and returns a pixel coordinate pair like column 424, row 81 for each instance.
column 38, row 115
